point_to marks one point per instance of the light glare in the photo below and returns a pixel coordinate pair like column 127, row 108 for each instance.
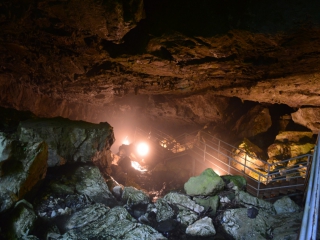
column 126, row 141
column 142, row 149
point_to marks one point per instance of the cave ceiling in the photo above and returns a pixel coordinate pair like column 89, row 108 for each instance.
column 91, row 57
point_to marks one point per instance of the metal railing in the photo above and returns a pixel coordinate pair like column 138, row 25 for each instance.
column 264, row 179
column 311, row 210
column 272, row 177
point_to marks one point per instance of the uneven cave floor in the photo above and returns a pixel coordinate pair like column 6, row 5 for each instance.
column 159, row 179
column 164, row 177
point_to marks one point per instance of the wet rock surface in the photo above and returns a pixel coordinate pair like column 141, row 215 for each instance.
column 74, row 202
column 68, row 141
column 85, row 60
column 24, row 167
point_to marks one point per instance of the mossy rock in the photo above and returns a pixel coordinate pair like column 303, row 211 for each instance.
column 237, row 181
column 209, row 202
column 206, row 184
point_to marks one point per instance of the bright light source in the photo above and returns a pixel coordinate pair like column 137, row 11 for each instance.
column 126, row 141
column 137, row 166
column 142, row 149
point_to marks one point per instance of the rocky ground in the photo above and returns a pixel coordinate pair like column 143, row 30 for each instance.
column 60, row 181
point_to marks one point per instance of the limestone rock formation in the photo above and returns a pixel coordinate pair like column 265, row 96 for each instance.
column 68, row 141
column 188, row 209
column 248, row 200
column 210, row 203
column 22, row 220
column 201, row 228
column 257, row 120
column 83, row 60
column 207, row 183
column 286, row 205
column 133, row 196
column 26, row 166
column 309, row 117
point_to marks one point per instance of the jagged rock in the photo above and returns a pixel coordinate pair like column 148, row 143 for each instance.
column 257, row 120
column 29, row 237
column 235, row 182
column 5, row 149
column 207, row 183
column 117, row 223
column 250, row 201
column 24, row 168
column 294, row 136
column 236, row 223
column 188, row 210
column 117, row 192
column 68, row 141
column 288, row 150
column 87, row 215
column 89, row 181
column 86, row 180
column 108, row 20
column 285, row 205
column 286, row 226
column 51, row 207
column 308, row 117
column 211, row 202
column 132, row 196
column 163, row 210
column 279, row 150
column 21, row 221
column 201, row 228
column 250, row 155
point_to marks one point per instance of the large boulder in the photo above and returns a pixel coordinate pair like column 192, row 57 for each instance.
column 201, row 228
column 286, row 226
column 285, row 205
column 209, row 203
column 294, row 136
column 248, row 200
column 24, row 167
column 237, row 223
column 21, row 220
column 68, row 141
column 308, row 117
column 189, row 210
column 132, row 196
column 80, row 184
column 262, row 226
column 207, row 183
column 234, row 182
column 100, row 222
column 257, row 120
column 5, row 148
column 163, row 210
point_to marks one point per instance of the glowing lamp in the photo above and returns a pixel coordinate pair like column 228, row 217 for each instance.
column 125, row 141
column 142, row 149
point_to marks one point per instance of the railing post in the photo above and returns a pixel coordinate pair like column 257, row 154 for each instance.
column 258, row 191
column 245, row 163
column 229, row 165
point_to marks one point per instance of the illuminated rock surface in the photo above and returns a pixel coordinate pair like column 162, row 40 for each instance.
column 26, row 166
column 158, row 60
column 68, row 141
column 207, row 183
column 201, row 228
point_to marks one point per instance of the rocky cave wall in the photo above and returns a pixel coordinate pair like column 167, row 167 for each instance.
column 134, row 62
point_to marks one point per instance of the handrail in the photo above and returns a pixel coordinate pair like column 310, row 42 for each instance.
column 231, row 160
column 311, row 210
